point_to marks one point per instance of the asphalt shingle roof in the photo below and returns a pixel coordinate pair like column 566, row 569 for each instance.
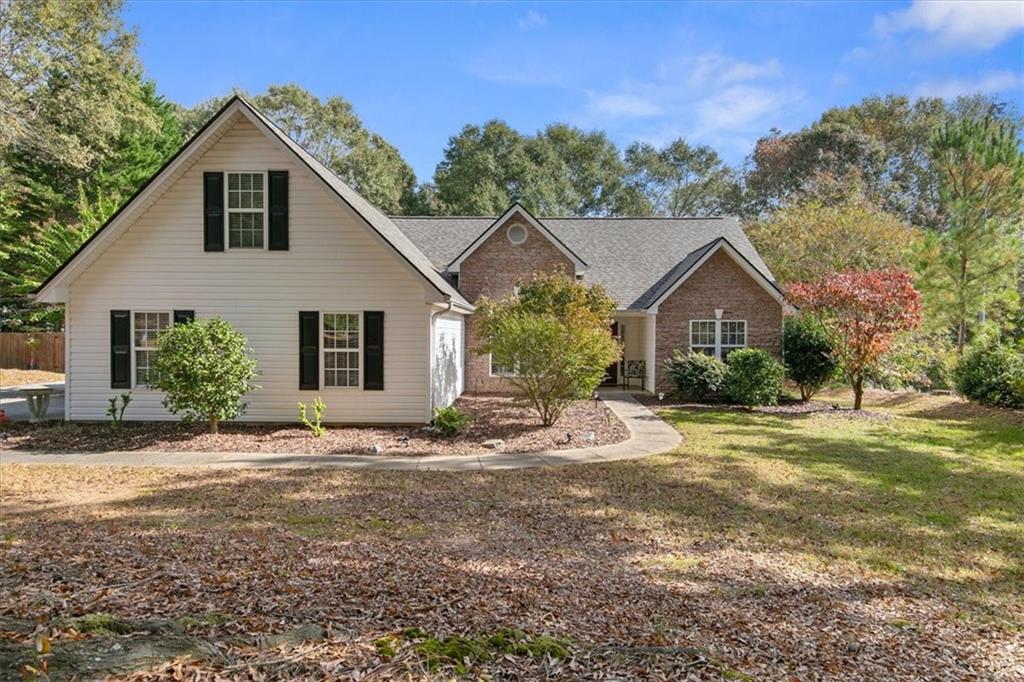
column 634, row 259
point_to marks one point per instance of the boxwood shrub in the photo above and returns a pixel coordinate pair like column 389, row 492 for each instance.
column 695, row 376
column 753, row 377
column 993, row 375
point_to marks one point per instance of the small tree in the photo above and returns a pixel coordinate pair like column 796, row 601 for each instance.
column 809, row 354
column 205, row 370
column 555, row 333
column 862, row 311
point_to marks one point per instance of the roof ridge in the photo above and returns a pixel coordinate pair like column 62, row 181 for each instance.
column 551, row 217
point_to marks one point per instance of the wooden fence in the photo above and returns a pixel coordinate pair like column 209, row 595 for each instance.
column 49, row 354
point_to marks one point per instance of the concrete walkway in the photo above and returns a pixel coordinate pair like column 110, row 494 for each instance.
column 649, row 435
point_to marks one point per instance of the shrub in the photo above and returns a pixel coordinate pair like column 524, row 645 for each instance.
column 917, row 360
column 992, row 374
column 753, row 377
column 205, row 370
column 695, row 376
column 316, row 425
column 809, row 353
column 555, row 333
column 451, row 421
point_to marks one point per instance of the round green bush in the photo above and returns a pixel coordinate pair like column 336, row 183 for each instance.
column 809, row 354
column 695, row 376
column 993, row 375
column 753, row 377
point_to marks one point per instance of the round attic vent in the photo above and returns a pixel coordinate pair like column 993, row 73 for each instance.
column 516, row 233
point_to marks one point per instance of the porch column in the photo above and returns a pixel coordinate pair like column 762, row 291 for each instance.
column 650, row 352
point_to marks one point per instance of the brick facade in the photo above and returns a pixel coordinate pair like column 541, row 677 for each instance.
column 494, row 269
column 719, row 283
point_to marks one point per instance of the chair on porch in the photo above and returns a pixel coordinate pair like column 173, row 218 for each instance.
column 635, row 369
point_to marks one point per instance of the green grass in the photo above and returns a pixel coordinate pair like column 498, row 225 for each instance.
column 935, row 493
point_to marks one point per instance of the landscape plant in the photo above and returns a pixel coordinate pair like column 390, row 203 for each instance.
column 862, row 311
column 992, row 374
column 115, row 409
column 695, row 376
column 315, row 426
column 450, row 421
column 753, row 377
column 809, row 354
column 205, row 371
column 555, row 332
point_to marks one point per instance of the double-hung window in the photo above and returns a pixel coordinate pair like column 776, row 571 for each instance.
column 247, row 217
column 500, row 370
column 717, row 337
column 146, row 327
column 341, row 347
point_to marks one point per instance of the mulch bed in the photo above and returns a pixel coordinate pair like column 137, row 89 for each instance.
column 785, row 407
column 585, row 423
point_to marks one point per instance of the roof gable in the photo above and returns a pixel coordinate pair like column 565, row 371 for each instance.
column 526, row 216
column 634, row 259
column 52, row 290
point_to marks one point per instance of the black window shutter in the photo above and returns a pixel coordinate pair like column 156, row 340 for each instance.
column 309, row 350
column 373, row 350
column 213, row 211
column 277, row 202
column 120, row 349
column 184, row 316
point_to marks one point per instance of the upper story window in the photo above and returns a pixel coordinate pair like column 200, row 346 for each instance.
column 246, row 210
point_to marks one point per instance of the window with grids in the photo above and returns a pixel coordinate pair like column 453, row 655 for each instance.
column 246, row 210
column 147, row 326
column 341, row 349
column 500, row 370
column 734, row 335
column 702, row 336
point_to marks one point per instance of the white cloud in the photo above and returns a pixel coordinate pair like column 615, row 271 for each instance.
column 738, row 107
column 712, row 67
column 979, row 25
column 533, row 19
column 623, row 105
column 994, row 81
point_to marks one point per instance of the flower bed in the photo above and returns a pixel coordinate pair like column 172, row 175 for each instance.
column 495, row 417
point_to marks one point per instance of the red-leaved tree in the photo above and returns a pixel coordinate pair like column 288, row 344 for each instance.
column 863, row 310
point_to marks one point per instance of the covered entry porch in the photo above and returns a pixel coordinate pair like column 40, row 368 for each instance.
column 636, row 370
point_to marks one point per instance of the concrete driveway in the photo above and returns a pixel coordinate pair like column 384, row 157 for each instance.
column 16, row 407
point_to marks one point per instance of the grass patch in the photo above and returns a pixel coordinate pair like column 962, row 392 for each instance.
column 101, row 624
column 460, row 653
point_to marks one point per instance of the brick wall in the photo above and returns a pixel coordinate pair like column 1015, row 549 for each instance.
column 719, row 283
column 494, row 269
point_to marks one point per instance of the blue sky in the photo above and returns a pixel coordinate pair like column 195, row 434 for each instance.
column 723, row 74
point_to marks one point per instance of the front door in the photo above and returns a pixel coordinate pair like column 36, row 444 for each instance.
column 611, row 375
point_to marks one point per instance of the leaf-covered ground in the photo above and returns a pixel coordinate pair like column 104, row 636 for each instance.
column 773, row 546
column 17, row 377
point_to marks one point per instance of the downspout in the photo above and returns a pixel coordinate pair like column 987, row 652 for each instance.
column 430, row 379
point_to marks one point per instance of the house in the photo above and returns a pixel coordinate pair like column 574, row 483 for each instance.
column 373, row 313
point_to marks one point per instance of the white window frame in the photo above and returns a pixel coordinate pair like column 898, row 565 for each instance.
column 718, row 345
column 228, row 211
column 152, row 349
column 357, row 351
column 491, row 372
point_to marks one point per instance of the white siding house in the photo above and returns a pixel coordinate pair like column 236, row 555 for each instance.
column 153, row 262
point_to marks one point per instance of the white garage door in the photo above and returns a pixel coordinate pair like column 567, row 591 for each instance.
column 449, row 373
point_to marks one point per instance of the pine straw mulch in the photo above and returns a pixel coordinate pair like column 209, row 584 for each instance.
column 585, row 423
column 18, row 377
column 615, row 560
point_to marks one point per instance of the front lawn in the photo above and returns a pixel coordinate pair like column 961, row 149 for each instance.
column 772, row 546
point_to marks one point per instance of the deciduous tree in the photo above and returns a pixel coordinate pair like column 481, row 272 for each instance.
column 678, row 180
column 863, row 311
column 555, row 333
